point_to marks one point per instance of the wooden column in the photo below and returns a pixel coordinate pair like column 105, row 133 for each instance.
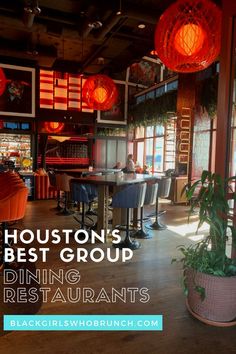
column 224, row 102
column 185, row 119
column 225, row 90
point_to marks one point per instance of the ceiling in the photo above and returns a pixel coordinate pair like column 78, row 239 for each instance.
column 79, row 35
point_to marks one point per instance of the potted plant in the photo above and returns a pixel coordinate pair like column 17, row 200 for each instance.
column 209, row 274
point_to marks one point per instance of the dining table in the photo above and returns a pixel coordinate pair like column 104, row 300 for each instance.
column 117, row 181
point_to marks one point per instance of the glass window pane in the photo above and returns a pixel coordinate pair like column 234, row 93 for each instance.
column 140, row 99
column 150, row 94
column 160, row 91
column 159, row 130
column 172, row 85
column 140, row 153
column 139, row 133
column 159, row 154
column 149, row 152
column 150, row 131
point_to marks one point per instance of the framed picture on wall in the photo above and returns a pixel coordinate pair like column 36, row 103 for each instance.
column 118, row 113
column 18, row 86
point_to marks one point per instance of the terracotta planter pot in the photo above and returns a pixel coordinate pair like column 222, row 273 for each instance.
column 220, row 296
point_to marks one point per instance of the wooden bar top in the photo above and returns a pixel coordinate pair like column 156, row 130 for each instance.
column 117, row 179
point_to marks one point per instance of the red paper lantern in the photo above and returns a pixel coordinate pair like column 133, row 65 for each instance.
column 3, row 82
column 53, row 127
column 187, row 37
column 100, row 92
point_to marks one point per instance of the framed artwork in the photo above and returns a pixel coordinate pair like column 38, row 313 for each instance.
column 118, row 113
column 18, row 98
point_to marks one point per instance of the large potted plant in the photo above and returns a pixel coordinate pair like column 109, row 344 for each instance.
column 209, row 274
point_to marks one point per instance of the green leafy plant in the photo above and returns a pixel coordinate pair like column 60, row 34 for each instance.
column 153, row 111
column 210, row 195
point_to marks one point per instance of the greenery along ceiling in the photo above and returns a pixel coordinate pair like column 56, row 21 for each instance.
column 153, row 111
column 158, row 110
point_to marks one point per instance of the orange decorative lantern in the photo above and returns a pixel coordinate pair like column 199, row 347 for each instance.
column 188, row 34
column 54, row 127
column 3, row 82
column 99, row 92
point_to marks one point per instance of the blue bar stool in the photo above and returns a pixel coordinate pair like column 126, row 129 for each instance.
column 163, row 192
column 131, row 196
column 150, row 199
column 80, row 194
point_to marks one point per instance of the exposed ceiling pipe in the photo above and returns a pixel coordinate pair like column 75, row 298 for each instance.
column 30, row 11
column 114, row 19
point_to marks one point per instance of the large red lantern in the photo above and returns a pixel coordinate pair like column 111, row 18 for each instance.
column 187, row 37
column 54, row 127
column 3, row 82
column 100, row 92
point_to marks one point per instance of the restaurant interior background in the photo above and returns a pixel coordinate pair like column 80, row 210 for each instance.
column 174, row 124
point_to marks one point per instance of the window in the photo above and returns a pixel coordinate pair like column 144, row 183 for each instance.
column 149, row 153
column 155, row 147
column 159, row 156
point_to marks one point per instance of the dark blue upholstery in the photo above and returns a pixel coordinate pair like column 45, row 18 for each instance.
column 131, row 196
column 80, row 193
column 92, row 191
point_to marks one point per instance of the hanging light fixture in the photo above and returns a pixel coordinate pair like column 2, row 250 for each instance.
column 187, row 37
column 3, row 82
column 99, row 92
column 54, row 127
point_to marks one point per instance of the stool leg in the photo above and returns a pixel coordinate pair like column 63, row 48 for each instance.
column 141, row 233
column 157, row 225
column 65, row 210
column 128, row 243
column 90, row 211
column 82, row 219
column 58, row 207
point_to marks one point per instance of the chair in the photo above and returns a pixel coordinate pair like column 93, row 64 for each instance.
column 150, row 199
column 163, row 192
column 80, row 194
column 53, row 183
column 13, row 200
column 131, row 196
column 63, row 184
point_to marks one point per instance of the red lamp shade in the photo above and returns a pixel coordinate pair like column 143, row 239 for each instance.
column 99, row 92
column 3, row 82
column 188, row 34
column 53, row 127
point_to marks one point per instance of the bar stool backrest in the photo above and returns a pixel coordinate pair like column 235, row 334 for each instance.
column 131, row 196
column 164, row 187
column 79, row 193
column 151, row 194
column 63, row 182
column 52, row 178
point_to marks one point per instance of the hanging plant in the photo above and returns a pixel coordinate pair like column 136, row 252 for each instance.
column 209, row 95
column 153, row 111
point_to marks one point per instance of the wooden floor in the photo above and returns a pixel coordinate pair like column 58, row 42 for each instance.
column 150, row 267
